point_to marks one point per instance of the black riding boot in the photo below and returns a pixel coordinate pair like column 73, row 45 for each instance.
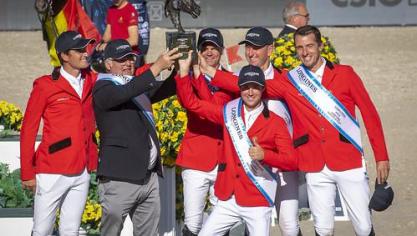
column 187, row 232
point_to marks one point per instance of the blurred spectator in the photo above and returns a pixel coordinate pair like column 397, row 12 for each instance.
column 294, row 15
column 97, row 11
column 121, row 23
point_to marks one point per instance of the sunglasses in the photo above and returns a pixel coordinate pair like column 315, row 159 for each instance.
column 306, row 15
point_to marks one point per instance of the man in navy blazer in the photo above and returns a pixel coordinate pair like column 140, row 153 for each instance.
column 294, row 15
column 129, row 156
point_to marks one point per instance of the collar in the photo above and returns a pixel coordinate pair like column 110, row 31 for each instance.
column 291, row 26
column 269, row 72
column 219, row 67
column 255, row 112
column 121, row 79
column 68, row 76
column 320, row 71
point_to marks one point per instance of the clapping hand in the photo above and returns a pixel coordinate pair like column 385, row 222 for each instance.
column 204, row 67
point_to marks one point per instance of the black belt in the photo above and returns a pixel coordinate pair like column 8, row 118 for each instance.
column 143, row 181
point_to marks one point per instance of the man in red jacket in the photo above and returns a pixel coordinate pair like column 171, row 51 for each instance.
column 258, row 48
column 203, row 140
column 322, row 98
column 58, row 170
column 244, row 186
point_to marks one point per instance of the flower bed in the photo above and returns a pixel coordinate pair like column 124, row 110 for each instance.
column 10, row 118
column 171, row 122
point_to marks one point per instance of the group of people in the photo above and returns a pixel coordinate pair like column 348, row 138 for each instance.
column 248, row 135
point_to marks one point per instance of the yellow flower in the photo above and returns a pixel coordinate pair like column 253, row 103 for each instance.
column 176, row 103
column 289, row 60
column 174, row 137
column 10, row 116
column 182, row 116
column 278, row 61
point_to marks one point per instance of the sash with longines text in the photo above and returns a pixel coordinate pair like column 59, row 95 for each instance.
column 326, row 104
column 262, row 177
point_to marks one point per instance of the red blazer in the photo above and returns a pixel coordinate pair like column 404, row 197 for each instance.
column 272, row 135
column 201, row 146
column 68, row 142
column 316, row 141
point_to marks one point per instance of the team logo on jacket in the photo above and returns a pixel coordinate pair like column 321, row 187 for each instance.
column 62, row 99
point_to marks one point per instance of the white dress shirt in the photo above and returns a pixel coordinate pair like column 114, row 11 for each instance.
column 269, row 72
column 77, row 83
column 250, row 116
column 320, row 71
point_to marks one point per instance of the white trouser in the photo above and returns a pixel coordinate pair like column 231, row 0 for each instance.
column 286, row 203
column 196, row 186
column 68, row 193
column 354, row 190
column 227, row 213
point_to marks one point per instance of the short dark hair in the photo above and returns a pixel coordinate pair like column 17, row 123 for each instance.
column 306, row 30
column 61, row 61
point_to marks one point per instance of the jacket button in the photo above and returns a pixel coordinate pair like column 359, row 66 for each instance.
column 85, row 142
column 237, row 176
column 219, row 143
column 238, row 164
column 323, row 141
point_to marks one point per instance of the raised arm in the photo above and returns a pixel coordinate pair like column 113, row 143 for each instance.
column 275, row 88
column 107, row 95
column 189, row 101
column 203, row 92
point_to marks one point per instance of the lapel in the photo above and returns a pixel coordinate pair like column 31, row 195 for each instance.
column 328, row 74
column 87, row 87
column 151, row 130
column 259, row 123
column 288, row 29
column 62, row 83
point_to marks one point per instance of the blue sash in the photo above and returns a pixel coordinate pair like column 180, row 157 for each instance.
column 326, row 104
column 262, row 177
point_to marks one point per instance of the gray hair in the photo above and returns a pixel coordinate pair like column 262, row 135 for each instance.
column 291, row 9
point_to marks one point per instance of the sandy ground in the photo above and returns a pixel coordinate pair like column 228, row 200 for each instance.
column 384, row 57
